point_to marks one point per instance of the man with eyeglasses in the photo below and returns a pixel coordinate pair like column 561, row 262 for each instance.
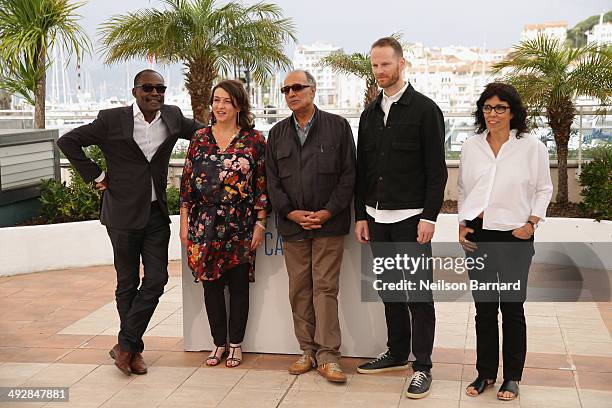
column 136, row 141
column 310, row 168
column 401, row 175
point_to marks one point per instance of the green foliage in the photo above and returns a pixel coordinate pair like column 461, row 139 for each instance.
column 29, row 29
column 78, row 201
column 173, row 200
column 576, row 36
column 62, row 203
column 596, row 178
column 549, row 76
column 207, row 36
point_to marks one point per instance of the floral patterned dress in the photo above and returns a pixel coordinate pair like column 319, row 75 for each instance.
column 223, row 190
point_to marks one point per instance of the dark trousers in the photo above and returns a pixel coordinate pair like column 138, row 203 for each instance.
column 136, row 300
column 406, row 317
column 237, row 280
column 507, row 260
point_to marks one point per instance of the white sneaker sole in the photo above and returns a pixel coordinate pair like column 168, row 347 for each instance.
column 384, row 370
column 418, row 396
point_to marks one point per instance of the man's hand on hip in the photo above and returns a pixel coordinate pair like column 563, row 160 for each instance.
column 425, row 232
column 362, row 232
column 102, row 185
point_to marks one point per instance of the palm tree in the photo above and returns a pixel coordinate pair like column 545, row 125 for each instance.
column 28, row 30
column 356, row 64
column 207, row 38
column 5, row 99
column 550, row 76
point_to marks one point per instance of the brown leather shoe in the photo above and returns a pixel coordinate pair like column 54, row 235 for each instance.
column 303, row 365
column 122, row 359
column 332, row 372
column 138, row 364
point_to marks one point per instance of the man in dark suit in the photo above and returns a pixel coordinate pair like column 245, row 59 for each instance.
column 137, row 142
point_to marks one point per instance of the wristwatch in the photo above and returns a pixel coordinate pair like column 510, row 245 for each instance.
column 533, row 224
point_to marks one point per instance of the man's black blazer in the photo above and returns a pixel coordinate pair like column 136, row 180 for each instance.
column 126, row 204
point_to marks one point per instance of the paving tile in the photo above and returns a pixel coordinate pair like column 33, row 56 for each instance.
column 214, row 377
column 444, row 390
column 312, row 381
column 7, row 352
column 539, row 396
column 265, row 380
column 39, row 355
column 87, row 395
column 376, row 384
column 305, row 399
column 182, row 359
column 594, row 381
column 144, row 395
column 546, row 360
column 595, row 398
column 87, row 356
column 106, row 374
column 549, row 378
column 13, row 374
column 591, row 363
column 253, row 399
column 447, row 372
column 195, row 397
column 59, row 375
column 447, row 355
column 165, row 376
column 428, row 403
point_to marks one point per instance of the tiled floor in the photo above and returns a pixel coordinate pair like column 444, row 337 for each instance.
column 56, row 329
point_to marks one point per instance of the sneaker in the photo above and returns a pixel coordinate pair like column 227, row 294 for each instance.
column 384, row 362
column 332, row 372
column 420, row 385
column 304, row 364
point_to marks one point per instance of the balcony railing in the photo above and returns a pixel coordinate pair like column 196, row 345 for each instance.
column 588, row 130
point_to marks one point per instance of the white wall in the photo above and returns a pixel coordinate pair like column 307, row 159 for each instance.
column 62, row 246
column 79, row 244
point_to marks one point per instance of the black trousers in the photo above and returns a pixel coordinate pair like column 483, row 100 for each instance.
column 405, row 317
column 237, row 280
column 507, row 260
column 136, row 299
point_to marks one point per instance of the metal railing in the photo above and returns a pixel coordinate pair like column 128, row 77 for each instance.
column 590, row 128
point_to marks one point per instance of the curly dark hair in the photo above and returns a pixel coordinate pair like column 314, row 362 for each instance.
column 240, row 100
column 506, row 93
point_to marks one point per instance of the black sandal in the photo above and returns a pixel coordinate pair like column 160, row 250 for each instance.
column 479, row 385
column 233, row 361
column 215, row 358
column 508, row 386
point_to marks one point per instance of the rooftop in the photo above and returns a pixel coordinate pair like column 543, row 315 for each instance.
column 56, row 329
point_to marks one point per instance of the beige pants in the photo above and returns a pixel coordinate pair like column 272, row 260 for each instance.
column 313, row 266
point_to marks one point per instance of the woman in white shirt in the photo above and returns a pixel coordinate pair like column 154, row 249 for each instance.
column 504, row 189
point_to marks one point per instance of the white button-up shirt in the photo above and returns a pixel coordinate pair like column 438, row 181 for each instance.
column 507, row 188
column 148, row 136
column 392, row 216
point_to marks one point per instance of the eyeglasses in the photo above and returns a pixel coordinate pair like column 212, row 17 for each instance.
column 294, row 88
column 497, row 108
column 148, row 88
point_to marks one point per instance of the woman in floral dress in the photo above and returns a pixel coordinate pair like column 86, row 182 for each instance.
column 223, row 214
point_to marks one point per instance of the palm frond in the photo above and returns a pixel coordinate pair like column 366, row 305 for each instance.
column 356, row 64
